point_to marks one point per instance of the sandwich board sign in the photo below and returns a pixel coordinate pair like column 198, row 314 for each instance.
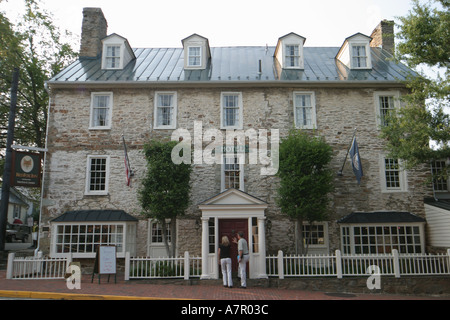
column 105, row 262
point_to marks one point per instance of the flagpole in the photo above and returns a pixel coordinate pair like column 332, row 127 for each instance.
column 348, row 150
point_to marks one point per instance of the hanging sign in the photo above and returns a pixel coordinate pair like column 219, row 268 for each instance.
column 26, row 169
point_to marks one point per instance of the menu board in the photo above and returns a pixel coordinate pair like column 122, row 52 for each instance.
column 107, row 260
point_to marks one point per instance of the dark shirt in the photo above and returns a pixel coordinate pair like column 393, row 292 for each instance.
column 224, row 251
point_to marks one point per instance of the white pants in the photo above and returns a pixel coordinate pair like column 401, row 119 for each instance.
column 243, row 270
column 226, row 271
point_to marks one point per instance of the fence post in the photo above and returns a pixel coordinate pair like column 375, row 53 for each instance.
column 9, row 268
column 280, row 265
column 448, row 256
column 127, row 266
column 186, row 265
column 339, row 264
column 396, row 263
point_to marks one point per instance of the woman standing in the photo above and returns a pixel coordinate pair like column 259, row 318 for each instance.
column 225, row 262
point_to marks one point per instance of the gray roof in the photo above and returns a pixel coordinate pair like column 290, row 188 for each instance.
column 94, row 215
column 233, row 64
column 380, row 217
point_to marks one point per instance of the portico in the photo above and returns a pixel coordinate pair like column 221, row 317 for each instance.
column 226, row 214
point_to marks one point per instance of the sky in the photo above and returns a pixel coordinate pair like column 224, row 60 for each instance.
column 154, row 24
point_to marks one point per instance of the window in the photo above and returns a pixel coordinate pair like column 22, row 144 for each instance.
column 165, row 110
column 233, row 172
column 97, row 175
column 157, row 233
column 101, row 110
column 314, row 235
column 359, row 56
column 82, row 239
column 377, row 239
column 231, row 110
column 292, row 57
column 385, row 102
column 393, row 177
column 212, row 235
column 112, row 58
column 304, row 110
column 194, row 56
column 440, row 178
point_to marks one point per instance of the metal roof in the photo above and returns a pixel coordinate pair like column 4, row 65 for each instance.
column 380, row 217
column 233, row 64
column 94, row 215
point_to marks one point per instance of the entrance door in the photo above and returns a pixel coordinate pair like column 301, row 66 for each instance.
column 230, row 228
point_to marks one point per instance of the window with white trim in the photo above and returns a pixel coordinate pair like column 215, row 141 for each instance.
column 157, row 233
column 292, row 56
column 82, row 238
column 97, row 175
column 305, row 110
column 393, row 176
column 194, row 56
column 165, row 110
column 377, row 239
column 101, row 110
column 359, row 56
column 231, row 110
column 233, row 172
column 385, row 102
column 113, row 56
column 441, row 181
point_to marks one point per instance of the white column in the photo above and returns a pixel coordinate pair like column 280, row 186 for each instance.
column 262, row 247
column 205, row 248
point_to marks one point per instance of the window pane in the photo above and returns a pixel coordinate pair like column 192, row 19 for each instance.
column 230, row 110
column 97, row 180
column 165, row 108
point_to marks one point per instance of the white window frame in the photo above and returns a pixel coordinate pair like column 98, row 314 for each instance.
column 367, row 56
column 124, row 241
column 383, row 242
column 198, row 57
column 239, row 124
column 288, row 58
column 106, row 58
column 241, row 162
column 402, row 176
column 313, row 124
column 173, row 124
column 88, row 190
column 440, row 184
column 323, row 225
column 108, row 120
column 395, row 95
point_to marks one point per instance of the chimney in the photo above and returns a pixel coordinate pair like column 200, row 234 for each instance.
column 383, row 36
column 93, row 30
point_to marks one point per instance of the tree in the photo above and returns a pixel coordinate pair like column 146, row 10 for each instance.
column 165, row 188
column 36, row 47
column 305, row 179
column 424, row 117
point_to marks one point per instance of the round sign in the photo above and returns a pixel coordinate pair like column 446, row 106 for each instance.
column 27, row 164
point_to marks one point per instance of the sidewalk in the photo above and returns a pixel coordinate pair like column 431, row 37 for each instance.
column 139, row 290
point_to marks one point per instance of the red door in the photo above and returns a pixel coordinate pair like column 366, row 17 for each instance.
column 230, row 228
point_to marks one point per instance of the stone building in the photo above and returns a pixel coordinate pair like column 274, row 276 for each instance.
column 114, row 91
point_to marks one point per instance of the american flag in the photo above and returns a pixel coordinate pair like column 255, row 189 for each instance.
column 128, row 171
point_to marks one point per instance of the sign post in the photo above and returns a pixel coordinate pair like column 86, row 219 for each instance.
column 105, row 262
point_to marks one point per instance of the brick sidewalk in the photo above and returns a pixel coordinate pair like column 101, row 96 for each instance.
column 57, row 289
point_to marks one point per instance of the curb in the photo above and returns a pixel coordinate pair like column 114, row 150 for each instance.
column 71, row 296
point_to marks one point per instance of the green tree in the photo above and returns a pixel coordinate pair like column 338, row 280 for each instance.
column 424, row 42
column 165, row 188
column 305, row 180
column 35, row 46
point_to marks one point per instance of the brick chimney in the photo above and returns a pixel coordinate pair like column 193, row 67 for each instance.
column 93, row 30
column 383, row 36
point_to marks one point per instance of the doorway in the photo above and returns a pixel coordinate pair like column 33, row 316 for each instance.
column 230, row 228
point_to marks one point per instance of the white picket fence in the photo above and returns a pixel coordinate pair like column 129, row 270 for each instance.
column 339, row 265
column 185, row 267
column 39, row 267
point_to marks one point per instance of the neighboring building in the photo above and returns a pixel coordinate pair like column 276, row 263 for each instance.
column 148, row 93
column 18, row 206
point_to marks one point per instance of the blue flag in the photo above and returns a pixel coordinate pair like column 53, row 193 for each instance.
column 356, row 160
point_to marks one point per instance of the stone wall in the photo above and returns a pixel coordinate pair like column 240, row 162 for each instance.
column 339, row 112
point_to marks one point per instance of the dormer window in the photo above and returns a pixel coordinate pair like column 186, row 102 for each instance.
column 196, row 52
column 117, row 52
column 355, row 52
column 112, row 58
column 194, row 56
column 289, row 51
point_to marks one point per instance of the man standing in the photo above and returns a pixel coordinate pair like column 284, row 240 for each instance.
column 242, row 258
